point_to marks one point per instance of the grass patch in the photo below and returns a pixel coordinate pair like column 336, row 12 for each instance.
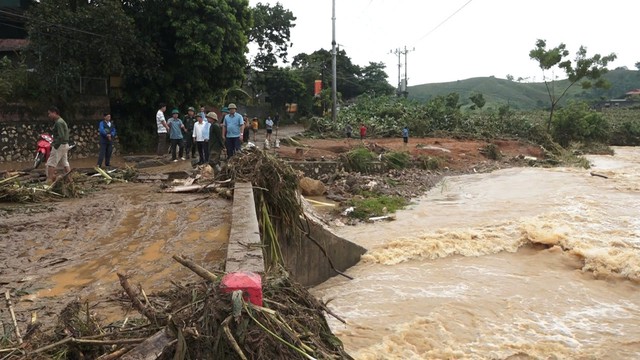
column 375, row 206
column 360, row 159
column 491, row 151
column 397, row 159
column 426, row 162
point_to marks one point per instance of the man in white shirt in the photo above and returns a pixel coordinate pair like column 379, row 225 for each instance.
column 163, row 128
column 201, row 138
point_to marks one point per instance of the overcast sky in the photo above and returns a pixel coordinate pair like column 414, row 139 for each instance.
column 484, row 37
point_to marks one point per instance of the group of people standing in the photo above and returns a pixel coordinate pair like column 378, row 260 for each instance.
column 198, row 132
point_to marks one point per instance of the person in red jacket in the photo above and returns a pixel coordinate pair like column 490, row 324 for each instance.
column 363, row 131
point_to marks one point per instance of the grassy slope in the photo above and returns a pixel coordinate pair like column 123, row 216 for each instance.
column 525, row 95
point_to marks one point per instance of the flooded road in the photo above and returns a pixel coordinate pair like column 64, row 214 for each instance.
column 56, row 252
column 520, row 263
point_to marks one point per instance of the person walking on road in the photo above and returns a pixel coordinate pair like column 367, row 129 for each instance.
column 232, row 130
column 363, row 131
column 269, row 126
column 60, row 145
column 175, row 134
column 163, row 129
column 107, row 134
column 405, row 135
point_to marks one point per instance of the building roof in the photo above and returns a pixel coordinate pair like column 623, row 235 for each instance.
column 13, row 44
column 633, row 92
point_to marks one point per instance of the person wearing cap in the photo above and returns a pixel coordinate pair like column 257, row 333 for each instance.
column 163, row 129
column 232, row 130
column 201, row 138
column 107, row 134
column 216, row 144
column 189, row 122
column 175, row 134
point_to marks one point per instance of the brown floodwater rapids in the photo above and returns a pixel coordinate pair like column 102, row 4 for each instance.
column 519, row 263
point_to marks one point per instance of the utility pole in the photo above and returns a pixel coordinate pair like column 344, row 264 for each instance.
column 402, row 85
column 334, row 82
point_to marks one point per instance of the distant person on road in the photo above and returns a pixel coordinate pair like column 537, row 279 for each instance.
column 233, row 130
column 201, row 138
column 60, row 145
column 216, row 144
column 348, row 130
column 107, row 131
column 363, row 131
column 405, row 135
column 163, row 129
column 175, row 135
column 189, row 121
column 254, row 128
column 245, row 132
column 269, row 125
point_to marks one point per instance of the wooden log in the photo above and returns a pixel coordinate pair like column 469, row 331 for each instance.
column 152, row 348
column 7, row 297
column 199, row 270
column 149, row 312
column 599, row 175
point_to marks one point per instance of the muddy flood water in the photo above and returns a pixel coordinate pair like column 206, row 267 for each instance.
column 522, row 263
column 53, row 253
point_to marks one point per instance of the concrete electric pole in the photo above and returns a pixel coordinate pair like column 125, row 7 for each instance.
column 402, row 83
column 334, row 82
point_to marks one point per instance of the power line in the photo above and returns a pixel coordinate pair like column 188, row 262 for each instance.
column 444, row 21
column 52, row 24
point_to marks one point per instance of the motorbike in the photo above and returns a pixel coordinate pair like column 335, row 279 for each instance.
column 44, row 149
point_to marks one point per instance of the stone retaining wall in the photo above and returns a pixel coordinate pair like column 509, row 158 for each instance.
column 22, row 122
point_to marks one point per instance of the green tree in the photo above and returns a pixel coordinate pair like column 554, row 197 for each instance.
column 478, row 100
column 586, row 69
column 283, row 86
column 74, row 39
column 201, row 47
column 271, row 31
column 374, row 80
column 510, row 77
column 638, row 65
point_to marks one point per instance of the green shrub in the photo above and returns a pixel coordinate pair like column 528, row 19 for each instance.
column 360, row 159
column 577, row 122
column 491, row 151
column 374, row 206
column 426, row 162
column 397, row 159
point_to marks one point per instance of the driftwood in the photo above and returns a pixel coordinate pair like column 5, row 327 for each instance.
column 599, row 175
column 149, row 312
column 202, row 272
column 7, row 297
column 151, row 348
column 153, row 177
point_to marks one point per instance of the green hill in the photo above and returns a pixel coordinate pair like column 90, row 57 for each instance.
column 526, row 95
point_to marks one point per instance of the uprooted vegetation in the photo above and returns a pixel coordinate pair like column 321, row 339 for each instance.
column 200, row 320
column 190, row 321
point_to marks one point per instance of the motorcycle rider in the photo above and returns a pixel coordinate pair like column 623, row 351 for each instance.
column 60, row 145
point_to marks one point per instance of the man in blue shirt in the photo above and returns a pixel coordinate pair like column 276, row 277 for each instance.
column 232, row 130
column 175, row 134
column 107, row 135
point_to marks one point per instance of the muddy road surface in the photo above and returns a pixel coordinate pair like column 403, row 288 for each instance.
column 53, row 253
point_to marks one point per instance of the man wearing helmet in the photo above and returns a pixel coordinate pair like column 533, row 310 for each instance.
column 232, row 130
